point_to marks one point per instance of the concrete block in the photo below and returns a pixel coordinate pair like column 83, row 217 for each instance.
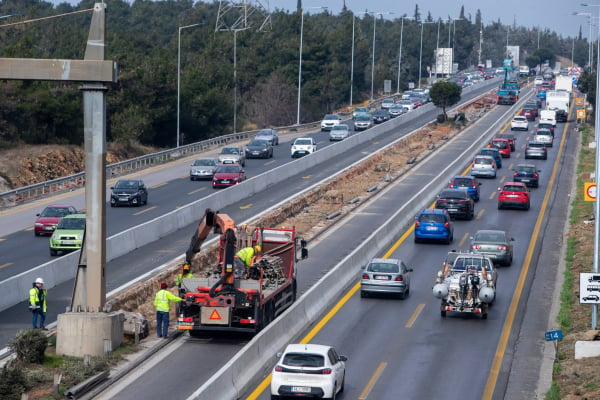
column 79, row 334
column 585, row 349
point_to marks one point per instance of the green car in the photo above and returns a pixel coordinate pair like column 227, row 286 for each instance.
column 68, row 235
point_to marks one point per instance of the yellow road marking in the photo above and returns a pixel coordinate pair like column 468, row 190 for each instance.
column 464, row 238
column 159, row 185
column 197, row 190
column 514, row 304
column 3, row 239
column 480, row 213
column 491, row 196
column 270, row 162
column 307, row 177
column 363, row 395
column 414, row 316
column 246, row 206
column 511, row 166
column 502, row 179
column 5, row 265
column 144, row 211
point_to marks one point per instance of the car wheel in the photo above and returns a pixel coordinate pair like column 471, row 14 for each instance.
column 483, row 315
column 450, row 239
column 363, row 294
column 527, row 206
column 500, row 206
column 342, row 385
column 275, row 397
column 472, row 215
column 443, row 313
column 53, row 253
column 36, row 233
column 417, row 240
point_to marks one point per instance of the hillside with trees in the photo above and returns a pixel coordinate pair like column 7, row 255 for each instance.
column 142, row 38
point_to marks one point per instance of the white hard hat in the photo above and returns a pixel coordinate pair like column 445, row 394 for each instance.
column 39, row 280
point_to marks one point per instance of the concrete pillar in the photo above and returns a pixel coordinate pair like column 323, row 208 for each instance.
column 94, row 334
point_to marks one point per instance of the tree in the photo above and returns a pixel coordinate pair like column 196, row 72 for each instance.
column 445, row 94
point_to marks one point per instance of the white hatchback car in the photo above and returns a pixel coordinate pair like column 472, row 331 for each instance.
column 484, row 166
column 519, row 123
column 308, row 370
column 303, row 146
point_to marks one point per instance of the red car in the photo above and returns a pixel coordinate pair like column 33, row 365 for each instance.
column 503, row 145
column 514, row 195
column 228, row 175
column 49, row 218
column 530, row 113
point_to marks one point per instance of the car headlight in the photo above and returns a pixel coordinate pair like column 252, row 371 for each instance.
column 39, row 224
column 80, row 236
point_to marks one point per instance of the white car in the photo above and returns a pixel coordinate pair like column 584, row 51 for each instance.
column 339, row 132
column 329, row 121
column 308, row 370
column 303, row 146
column 519, row 122
column 548, row 140
column 387, row 103
column 538, row 80
column 484, row 166
column 407, row 104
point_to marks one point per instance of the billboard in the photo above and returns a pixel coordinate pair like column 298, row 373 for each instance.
column 513, row 52
column 443, row 61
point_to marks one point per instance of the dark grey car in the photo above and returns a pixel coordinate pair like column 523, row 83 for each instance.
column 258, row 148
column 495, row 244
column 269, row 135
column 129, row 192
column 458, row 203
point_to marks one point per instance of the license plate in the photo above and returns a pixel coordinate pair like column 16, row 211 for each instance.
column 225, row 181
column 123, row 199
column 382, row 277
column 66, row 242
column 452, row 210
column 431, row 228
column 301, row 389
column 524, row 180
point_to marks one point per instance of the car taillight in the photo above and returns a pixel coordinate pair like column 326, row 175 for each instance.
column 365, row 276
column 447, row 225
column 464, row 201
column 476, row 246
column 502, row 248
column 417, row 224
column 441, row 200
column 535, row 175
column 278, row 368
column 326, row 371
column 398, row 279
column 474, row 187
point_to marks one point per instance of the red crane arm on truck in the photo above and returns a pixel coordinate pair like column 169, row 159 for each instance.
column 222, row 223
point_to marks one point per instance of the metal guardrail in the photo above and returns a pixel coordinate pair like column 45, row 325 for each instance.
column 69, row 183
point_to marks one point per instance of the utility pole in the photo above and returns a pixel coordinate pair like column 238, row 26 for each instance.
column 246, row 14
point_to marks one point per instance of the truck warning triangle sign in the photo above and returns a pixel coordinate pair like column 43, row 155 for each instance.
column 215, row 315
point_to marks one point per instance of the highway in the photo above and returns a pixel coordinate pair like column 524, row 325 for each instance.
column 422, row 344
column 404, row 349
column 208, row 355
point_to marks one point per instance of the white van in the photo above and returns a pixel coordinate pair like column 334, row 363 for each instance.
column 548, row 116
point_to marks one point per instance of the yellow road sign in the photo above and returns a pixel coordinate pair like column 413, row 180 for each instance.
column 581, row 113
column 589, row 193
column 578, row 101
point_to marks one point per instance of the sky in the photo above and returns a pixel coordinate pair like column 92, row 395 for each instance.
column 555, row 15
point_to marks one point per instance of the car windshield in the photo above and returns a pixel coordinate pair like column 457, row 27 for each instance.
column 331, row 116
column 494, row 237
column 363, row 118
column 519, row 119
column 464, row 263
column 303, row 142
column 436, row 218
column 485, row 161
column 303, row 360
column 54, row 212
column 489, row 152
column 463, row 182
column 501, row 144
column 513, row 188
column 258, row 143
column 536, row 144
column 126, row 185
column 230, row 150
column 228, row 169
column 71, row 223
column 383, row 267
column 265, row 133
column 205, row 163
column 529, row 170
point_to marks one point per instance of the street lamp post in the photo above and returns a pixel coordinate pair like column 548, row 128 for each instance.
column 421, row 52
column 596, row 169
column 400, row 52
column 179, row 75
column 589, row 18
column 352, row 59
column 300, row 62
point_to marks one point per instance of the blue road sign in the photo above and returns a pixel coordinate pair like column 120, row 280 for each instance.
column 554, row 335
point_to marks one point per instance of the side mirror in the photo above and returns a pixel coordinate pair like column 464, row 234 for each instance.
column 279, row 354
column 343, row 358
column 512, row 239
column 409, row 269
column 499, row 189
column 363, row 266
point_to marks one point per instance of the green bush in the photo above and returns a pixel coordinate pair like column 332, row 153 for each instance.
column 29, row 346
column 12, row 383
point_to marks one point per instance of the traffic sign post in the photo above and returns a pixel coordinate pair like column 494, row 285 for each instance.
column 589, row 193
column 554, row 336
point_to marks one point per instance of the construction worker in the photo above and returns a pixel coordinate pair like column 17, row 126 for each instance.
column 163, row 306
column 37, row 303
column 184, row 274
column 244, row 258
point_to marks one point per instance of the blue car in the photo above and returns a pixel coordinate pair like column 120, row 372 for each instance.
column 466, row 182
column 434, row 224
column 541, row 95
column 494, row 152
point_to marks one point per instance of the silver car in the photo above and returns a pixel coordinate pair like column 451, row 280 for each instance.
column 339, row 132
column 385, row 275
column 495, row 244
column 203, row 168
column 233, row 154
column 484, row 166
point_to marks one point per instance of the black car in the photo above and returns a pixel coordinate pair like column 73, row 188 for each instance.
column 380, row 116
column 259, row 148
column 527, row 174
column 129, row 192
column 561, row 116
column 457, row 202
